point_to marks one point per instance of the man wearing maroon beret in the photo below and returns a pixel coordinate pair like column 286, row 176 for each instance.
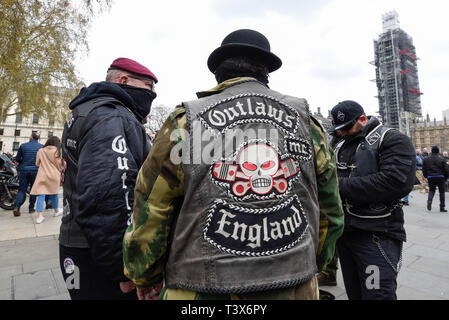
column 104, row 146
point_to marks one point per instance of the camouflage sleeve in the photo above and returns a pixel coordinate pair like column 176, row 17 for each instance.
column 159, row 187
column 331, row 211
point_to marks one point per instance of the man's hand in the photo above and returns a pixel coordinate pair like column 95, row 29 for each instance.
column 127, row 287
column 150, row 293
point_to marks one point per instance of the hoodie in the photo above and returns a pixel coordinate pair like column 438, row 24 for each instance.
column 114, row 90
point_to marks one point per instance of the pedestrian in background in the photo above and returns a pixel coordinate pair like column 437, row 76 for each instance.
column 48, row 177
column 446, row 156
column 419, row 174
column 26, row 158
column 435, row 169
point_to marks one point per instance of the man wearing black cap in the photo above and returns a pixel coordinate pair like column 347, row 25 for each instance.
column 376, row 169
column 435, row 170
column 103, row 146
column 241, row 214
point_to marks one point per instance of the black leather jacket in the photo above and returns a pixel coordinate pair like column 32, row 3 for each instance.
column 435, row 165
column 395, row 178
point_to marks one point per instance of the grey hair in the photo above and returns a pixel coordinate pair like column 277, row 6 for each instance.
column 114, row 74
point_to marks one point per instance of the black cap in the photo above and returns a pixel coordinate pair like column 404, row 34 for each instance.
column 345, row 115
column 248, row 43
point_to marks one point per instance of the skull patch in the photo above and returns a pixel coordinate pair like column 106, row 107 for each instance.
column 257, row 170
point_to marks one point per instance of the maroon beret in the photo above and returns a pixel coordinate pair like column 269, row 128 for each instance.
column 133, row 67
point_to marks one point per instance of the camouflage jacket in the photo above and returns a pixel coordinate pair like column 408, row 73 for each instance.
column 159, row 194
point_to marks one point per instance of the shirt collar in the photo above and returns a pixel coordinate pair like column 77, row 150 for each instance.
column 222, row 86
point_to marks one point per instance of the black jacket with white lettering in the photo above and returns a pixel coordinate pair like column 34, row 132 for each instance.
column 102, row 167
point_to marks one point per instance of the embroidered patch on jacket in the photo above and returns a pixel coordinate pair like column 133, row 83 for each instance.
column 69, row 266
column 256, row 172
column 300, row 149
column 255, row 232
column 250, row 108
column 373, row 138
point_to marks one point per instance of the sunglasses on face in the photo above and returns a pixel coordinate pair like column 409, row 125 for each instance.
column 148, row 82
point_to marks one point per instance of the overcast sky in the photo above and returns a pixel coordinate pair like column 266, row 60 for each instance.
column 325, row 45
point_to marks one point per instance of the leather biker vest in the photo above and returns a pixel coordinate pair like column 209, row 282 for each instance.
column 365, row 162
column 250, row 217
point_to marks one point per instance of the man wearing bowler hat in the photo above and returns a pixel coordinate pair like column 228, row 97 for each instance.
column 235, row 212
column 376, row 169
column 103, row 146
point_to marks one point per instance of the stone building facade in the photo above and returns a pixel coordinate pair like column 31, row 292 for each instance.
column 15, row 130
column 429, row 133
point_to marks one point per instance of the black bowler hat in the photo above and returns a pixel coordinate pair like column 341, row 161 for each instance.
column 247, row 43
column 345, row 115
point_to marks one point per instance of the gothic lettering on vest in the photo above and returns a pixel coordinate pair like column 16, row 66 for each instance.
column 256, row 171
column 300, row 149
column 250, row 108
column 255, row 232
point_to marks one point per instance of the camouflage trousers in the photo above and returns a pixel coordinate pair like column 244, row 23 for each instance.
column 332, row 266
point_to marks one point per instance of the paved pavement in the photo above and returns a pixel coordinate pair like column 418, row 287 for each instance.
column 29, row 265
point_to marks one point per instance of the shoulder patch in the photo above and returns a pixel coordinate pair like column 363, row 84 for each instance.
column 373, row 138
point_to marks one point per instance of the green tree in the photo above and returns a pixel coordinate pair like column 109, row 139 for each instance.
column 39, row 40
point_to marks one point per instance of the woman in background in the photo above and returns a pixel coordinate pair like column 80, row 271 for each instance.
column 48, row 178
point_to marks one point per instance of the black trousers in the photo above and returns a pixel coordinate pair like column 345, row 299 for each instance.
column 433, row 184
column 85, row 281
column 366, row 272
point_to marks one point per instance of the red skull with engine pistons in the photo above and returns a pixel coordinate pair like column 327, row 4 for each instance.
column 261, row 171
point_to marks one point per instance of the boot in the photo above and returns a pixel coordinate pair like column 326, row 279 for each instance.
column 442, row 209
column 429, row 205
column 16, row 212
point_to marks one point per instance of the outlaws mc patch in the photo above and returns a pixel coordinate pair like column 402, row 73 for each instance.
column 256, row 172
column 255, row 232
column 250, row 108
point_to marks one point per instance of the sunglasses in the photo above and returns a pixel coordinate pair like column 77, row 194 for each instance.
column 147, row 81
